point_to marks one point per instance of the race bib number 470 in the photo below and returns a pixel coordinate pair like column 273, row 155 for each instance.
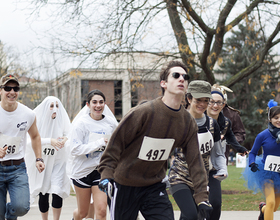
column 155, row 149
column 272, row 163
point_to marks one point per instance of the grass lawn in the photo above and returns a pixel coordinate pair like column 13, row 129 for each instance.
column 235, row 196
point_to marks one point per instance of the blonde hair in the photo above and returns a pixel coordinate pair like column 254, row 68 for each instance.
column 222, row 89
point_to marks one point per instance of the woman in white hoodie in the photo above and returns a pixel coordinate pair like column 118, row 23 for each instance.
column 89, row 138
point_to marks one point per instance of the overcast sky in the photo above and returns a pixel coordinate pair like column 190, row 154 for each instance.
column 14, row 29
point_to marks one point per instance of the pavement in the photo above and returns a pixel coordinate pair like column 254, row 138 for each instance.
column 70, row 204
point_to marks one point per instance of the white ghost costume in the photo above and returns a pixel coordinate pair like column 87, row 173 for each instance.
column 54, row 178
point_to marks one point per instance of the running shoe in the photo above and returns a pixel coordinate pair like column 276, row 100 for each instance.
column 261, row 216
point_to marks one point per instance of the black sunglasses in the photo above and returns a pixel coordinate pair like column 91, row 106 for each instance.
column 177, row 75
column 9, row 88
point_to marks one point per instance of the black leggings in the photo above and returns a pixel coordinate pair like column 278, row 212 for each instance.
column 44, row 202
column 215, row 196
column 183, row 196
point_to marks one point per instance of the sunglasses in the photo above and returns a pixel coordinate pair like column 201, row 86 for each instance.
column 177, row 75
column 9, row 88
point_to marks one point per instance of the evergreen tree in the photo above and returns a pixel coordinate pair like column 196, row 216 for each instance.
column 252, row 94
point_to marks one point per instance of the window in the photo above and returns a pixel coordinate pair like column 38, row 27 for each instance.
column 134, row 93
column 118, row 98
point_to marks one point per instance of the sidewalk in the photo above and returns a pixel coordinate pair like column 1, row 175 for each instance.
column 70, row 204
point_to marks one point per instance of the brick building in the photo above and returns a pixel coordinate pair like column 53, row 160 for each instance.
column 123, row 88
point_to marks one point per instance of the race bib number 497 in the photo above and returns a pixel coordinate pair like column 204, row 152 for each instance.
column 155, row 149
column 272, row 163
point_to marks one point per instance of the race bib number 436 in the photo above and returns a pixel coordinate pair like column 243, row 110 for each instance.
column 272, row 163
column 155, row 149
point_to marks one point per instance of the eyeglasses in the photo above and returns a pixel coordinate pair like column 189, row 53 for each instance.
column 212, row 102
column 9, row 88
column 177, row 75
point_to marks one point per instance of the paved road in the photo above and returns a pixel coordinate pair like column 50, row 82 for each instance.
column 70, row 205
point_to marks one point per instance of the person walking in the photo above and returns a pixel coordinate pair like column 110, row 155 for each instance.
column 198, row 96
column 53, row 124
column 16, row 121
column 135, row 161
column 88, row 140
column 262, row 172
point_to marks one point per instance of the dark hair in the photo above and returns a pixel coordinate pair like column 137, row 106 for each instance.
column 188, row 96
column 93, row 93
column 165, row 70
column 273, row 112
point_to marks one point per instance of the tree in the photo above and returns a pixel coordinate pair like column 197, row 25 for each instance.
column 254, row 91
column 11, row 63
column 103, row 28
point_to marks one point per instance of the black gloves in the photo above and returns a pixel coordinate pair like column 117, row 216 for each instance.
column 254, row 167
column 278, row 137
column 106, row 185
column 204, row 209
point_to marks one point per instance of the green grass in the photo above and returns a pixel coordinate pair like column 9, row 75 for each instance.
column 235, row 196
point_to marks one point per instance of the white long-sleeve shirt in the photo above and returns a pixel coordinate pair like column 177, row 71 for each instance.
column 87, row 141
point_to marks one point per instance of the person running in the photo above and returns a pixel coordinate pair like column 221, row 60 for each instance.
column 89, row 138
column 135, row 161
column 214, row 110
column 233, row 115
column 198, row 96
column 53, row 124
column 262, row 172
column 16, row 121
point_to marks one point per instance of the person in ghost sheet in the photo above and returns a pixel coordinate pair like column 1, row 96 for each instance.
column 16, row 121
column 198, row 96
column 135, row 160
column 91, row 130
column 53, row 124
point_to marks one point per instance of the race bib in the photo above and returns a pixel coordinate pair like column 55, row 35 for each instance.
column 94, row 137
column 272, row 163
column 155, row 149
column 205, row 141
column 49, row 151
column 11, row 142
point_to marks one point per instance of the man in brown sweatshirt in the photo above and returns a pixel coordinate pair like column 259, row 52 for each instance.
column 135, row 160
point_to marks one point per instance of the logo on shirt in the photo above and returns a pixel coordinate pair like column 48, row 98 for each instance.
column 22, row 126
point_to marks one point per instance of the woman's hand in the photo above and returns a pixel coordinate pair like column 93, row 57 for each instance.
column 57, row 144
column 220, row 177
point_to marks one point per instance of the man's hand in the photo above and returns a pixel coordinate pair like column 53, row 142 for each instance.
column 254, row 167
column 40, row 166
column 106, row 186
column 3, row 151
column 205, row 209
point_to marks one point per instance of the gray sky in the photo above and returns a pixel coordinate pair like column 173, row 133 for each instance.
column 14, row 31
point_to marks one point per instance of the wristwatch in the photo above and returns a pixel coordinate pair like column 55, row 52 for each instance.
column 40, row 159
